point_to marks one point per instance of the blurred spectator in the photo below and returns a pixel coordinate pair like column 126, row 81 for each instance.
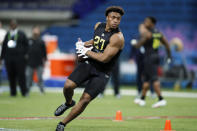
column 13, row 52
column 36, row 59
column 116, row 79
column 178, row 70
column 137, row 55
column 151, row 40
column 2, row 36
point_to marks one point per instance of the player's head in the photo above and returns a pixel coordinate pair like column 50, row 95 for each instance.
column 13, row 24
column 36, row 31
column 113, row 16
column 150, row 22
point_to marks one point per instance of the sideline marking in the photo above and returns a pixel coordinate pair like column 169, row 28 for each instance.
column 109, row 91
column 8, row 129
column 102, row 118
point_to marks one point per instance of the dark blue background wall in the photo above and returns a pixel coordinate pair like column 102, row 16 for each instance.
column 175, row 18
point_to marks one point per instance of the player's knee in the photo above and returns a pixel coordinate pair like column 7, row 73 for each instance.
column 85, row 99
column 146, row 85
column 69, row 85
column 156, row 84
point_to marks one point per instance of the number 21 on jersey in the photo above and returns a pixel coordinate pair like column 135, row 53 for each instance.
column 99, row 42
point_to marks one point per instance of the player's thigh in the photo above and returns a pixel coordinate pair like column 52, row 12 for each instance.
column 96, row 85
column 151, row 72
column 80, row 74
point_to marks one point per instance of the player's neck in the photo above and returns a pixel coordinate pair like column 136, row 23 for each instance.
column 107, row 28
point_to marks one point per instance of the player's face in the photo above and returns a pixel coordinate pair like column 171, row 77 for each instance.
column 148, row 23
column 36, row 32
column 13, row 25
column 113, row 20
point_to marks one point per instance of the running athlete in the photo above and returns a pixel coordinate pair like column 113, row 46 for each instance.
column 107, row 44
column 151, row 40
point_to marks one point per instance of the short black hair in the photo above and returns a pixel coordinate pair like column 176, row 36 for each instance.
column 117, row 9
column 153, row 19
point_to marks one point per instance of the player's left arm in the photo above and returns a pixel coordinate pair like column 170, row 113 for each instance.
column 116, row 43
column 89, row 43
column 166, row 44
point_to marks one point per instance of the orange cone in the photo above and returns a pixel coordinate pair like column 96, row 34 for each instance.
column 168, row 126
column 118, row 116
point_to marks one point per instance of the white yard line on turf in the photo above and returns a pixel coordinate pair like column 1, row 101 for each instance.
column 7, row 129
column 94, row 118
column 131, row 92
column 123, row 92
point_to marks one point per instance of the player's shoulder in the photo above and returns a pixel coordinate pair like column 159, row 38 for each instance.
column 99, row 25
column 117, row 39
column 156, row 30
column 119, row 36
column 96, row 25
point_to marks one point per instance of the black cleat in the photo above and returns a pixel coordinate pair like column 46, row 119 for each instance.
column 62, row 108
column 60, row 127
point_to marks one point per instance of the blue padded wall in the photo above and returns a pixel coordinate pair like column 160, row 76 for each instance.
column 169, row 13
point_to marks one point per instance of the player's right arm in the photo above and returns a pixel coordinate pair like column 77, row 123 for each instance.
column 144, row 36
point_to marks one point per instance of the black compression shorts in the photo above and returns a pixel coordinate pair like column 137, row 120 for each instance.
column 96, row 80
column 151, row 64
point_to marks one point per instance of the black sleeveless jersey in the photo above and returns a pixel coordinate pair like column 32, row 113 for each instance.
column 152, row 45
column 101, row 40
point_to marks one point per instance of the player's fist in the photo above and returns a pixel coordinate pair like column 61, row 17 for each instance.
column 83, row 50
column 133, row 42
column 79, row 44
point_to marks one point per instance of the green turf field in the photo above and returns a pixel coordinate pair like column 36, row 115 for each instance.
column 37, row 105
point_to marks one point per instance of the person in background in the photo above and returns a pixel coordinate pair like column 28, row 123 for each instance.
column 116, row 79
column 14, row 54
column 137, row 55
column 36, row 58
column 2, row 36
column 151, row 40
column 178, row 69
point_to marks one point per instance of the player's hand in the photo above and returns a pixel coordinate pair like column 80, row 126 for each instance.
column 133, row 42
column 79, row 44
column 85, row 57
column 83, row 50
